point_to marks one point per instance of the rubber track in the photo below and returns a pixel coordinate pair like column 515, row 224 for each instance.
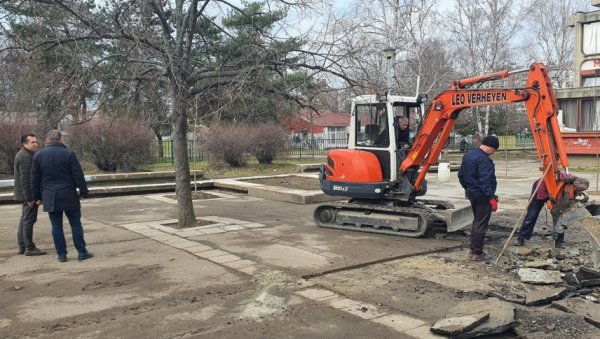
column 427, row 214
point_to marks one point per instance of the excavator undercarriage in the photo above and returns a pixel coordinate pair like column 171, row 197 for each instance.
column 408, row 219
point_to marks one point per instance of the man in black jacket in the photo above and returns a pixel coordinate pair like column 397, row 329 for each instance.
column 55, row 177
column 23, row 194
column 477, row 175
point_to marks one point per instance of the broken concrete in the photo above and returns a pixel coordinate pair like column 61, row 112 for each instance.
column 539, row 277
column 541, row 264
column 544, row 296
column 457, row 325
column 524, row 251
column 588, row 277
column 588, row 309
column 502, row 316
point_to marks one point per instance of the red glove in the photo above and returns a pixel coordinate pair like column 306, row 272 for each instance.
column 494, row 204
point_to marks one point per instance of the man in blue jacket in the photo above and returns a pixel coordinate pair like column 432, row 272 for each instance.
column 55, row 177
column 477, row 175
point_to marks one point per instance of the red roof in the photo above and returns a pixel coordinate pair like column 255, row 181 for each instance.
column 302, row 121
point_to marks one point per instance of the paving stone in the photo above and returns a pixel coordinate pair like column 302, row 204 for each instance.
column 254, row 225
column 457, row 325
column 136, row 226
column 218, row 219
column 199, row 248
column 239, row 263
column 589, row 310
column 317, row 294
column 540, row 277
column 344, row 303
column 193, row 233
column 250, row 270
column 213, row 230
column 161, row 237
column 232, row 227
column 185, row 244
column 399, row 322
column 544, row 296
column 211, row 254
column 423, row 332
column 224, row 258
column 502, row 316
column 365, row 311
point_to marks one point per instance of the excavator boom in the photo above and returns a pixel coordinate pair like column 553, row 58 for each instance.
column 540, row 102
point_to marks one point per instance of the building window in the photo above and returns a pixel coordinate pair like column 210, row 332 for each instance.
column 591, row 38
column 591, row 81
column 569, row 112
column 590, row 115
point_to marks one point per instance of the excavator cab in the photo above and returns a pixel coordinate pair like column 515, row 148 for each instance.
column 381, row 132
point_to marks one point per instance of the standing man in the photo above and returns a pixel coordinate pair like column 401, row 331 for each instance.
column 24, row 195
column 477, row 175
column 55, row 176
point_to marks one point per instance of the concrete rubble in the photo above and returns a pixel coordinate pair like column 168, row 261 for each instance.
column 501, row 316
column 588, row 309
column 539, row 277
column 457, row 325
column 544, row 296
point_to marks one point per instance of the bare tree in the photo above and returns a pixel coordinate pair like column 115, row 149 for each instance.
column 193, row 46
column 551, row 39
column 483, row 33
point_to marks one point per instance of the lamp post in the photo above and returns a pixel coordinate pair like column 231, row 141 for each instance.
column 389, row 53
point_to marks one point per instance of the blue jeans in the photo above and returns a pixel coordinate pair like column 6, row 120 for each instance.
column 56, row 219
column 533, row 211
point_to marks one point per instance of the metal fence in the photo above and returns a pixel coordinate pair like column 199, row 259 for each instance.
column 318, row 147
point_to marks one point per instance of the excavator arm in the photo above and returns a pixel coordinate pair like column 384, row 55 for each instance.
column 542, row 112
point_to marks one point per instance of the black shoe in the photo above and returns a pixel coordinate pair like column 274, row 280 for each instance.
column 481, row 257
column 21, row 251
column 62, row 258
column 35, row 251
column 520, row 242
column 84, row 256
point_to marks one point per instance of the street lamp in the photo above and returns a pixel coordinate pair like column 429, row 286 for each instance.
column 389, row 53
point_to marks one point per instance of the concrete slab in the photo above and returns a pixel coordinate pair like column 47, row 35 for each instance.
column 540, row 277
column 502, row 316
column 588, row 309
column 544, row 296
column 457, row 325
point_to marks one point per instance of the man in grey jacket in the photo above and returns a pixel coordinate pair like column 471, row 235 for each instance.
column 24, row 195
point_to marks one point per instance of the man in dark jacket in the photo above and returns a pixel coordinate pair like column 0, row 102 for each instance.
column 55, row 176
column 477, row 175
column 23, row 194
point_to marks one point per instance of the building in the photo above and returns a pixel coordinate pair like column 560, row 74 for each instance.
column 580, row 106
column 325, row 129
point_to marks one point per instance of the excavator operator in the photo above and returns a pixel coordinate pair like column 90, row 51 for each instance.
column 403, row 135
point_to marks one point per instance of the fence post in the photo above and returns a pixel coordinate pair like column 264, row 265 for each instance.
column 172, row 153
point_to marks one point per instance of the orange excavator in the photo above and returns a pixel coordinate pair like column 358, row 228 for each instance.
column 383, row 170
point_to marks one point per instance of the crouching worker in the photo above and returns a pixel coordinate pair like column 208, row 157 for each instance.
column 537, row 204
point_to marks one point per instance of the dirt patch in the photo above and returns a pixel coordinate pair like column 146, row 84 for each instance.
column 195, row 196
column 292, row 181
column 199, row 222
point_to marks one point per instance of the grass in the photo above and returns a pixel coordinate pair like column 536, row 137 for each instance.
column 212, row 171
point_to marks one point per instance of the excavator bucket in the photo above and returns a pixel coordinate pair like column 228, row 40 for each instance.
column 579, row 216
column 458, row 218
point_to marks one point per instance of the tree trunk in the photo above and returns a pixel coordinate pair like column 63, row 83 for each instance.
column 185, row 209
